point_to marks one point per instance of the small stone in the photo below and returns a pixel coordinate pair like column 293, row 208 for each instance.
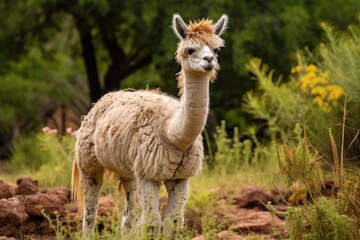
column 34, row 204
column 252, row 197
column 26, row 186
column 12, row 212
column 4, row 190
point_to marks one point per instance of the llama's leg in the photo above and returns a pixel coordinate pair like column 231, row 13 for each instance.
column 149, row 200
column 91, row 182
column 178, row 191
column 130, row 194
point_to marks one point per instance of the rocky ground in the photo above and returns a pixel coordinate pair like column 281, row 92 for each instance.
column 245, row 213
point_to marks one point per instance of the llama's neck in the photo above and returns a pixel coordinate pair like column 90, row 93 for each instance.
column 189, row 121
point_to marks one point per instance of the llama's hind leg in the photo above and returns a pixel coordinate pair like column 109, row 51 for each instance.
column 91, row 182
column 149, row 200
column 178, row 191
column 130, row 194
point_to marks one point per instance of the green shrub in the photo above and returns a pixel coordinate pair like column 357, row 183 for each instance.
column 323, row 219
column 301, row 168
column 27, row 155
column 339, row 55
column 283, row 105
column 317, row 217
column 59, row 152
column 232, row 155
column 46, row 156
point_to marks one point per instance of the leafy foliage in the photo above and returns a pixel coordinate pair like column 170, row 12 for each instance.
column 30, row 88
column 322, row 220
column 59, row 150
column 44, row 153
column 27, row 154
column 108, row 41
column 233, row 155
column 318, row 217
column 283, row 105
column 301, row 168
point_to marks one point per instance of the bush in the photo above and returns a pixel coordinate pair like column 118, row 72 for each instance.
column 59, row 150
column 48, row 156
column 233, row 155
column 27, row 154
column 314, row 92
column 317, row 217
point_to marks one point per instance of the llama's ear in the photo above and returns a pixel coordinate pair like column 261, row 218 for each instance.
column 221, row 25
column 179, row 27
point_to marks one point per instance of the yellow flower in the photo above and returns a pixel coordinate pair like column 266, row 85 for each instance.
column 311, row 68
column 315, row 83
column 335, row 92
column 296, row 69
column 319, row 90
column 318, row 101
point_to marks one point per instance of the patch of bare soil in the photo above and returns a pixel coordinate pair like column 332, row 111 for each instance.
column 238, row 216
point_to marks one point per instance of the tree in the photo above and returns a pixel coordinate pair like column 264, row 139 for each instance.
column 109, row 43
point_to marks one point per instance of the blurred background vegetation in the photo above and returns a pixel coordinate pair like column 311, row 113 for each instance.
column 287, row 65
column 59, row 56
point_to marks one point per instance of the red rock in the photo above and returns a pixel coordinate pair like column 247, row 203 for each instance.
column 6, row 238
column 38, row 226
column 7, row 230
column 163, row 206
column 12, row 188
column 259, row 222
column 29, row 227
column 44, row 229
column 252, row 197
column 106, row 205
column 12, row 212
column 280, row 195
column 26, row 186
column 12, row 215
column 226, row 235
column 61, row 192
column 4, row 190
column 49, row 203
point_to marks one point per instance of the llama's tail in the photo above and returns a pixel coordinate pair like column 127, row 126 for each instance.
column 77, row 193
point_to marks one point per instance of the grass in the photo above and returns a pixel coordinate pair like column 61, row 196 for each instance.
column 217, row 181
column 295, row 163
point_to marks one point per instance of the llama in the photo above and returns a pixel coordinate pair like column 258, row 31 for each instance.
column 147, row 137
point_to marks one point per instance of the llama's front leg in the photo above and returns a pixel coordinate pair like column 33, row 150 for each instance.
column 178, row 191
column 149, row 200
column 92, row 186
column 130, row 194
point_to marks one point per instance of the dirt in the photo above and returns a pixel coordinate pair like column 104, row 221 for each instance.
column 236, row 216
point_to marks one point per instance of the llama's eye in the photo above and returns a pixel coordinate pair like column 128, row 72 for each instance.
column 216, row 50
column 190, row 51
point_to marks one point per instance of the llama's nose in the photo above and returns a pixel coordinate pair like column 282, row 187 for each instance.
column 208, row 58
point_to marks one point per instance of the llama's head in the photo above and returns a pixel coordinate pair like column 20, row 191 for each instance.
column 199, row 44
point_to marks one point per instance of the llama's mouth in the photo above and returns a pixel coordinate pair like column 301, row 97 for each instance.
column 207, row 66
column 208, row 69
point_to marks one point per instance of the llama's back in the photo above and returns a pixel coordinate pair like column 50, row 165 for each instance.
column 128, row 134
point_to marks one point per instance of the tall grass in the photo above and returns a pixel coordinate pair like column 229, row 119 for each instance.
column 46, row 156
column 315, row 216
column 233, row 156
column 59, row 150
column 301, row 167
